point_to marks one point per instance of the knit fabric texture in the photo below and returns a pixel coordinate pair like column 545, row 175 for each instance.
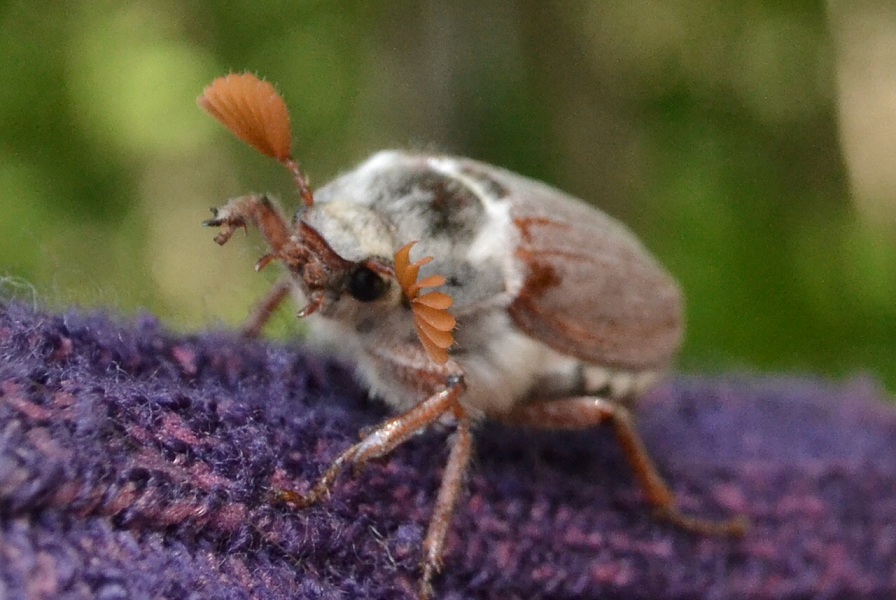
column 137, row 463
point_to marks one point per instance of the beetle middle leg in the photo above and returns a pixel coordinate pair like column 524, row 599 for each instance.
column 586, row 412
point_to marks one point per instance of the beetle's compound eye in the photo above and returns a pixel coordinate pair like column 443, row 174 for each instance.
column 365, row 285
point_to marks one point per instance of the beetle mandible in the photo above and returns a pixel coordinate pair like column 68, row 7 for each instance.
column 559, row 315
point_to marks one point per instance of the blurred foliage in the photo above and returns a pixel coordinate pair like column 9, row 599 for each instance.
column 711, row 128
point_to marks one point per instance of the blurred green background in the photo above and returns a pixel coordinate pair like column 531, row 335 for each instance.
column 752, row 145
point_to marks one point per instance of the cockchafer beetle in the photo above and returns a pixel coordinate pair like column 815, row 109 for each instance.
column 559, row 315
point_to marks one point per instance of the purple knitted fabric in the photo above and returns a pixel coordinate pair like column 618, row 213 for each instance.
column 135, row 463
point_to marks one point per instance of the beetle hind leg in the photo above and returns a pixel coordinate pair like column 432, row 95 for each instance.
column 586, row 412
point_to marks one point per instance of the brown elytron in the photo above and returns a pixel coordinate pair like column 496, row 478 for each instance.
column 521, row 315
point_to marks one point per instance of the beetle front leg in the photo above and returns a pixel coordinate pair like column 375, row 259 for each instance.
column 260, row 211
column 586, row 412
column 386, row 438
column 381, row 441
column 266, row 216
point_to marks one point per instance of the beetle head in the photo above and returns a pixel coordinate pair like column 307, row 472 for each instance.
column 341, row 254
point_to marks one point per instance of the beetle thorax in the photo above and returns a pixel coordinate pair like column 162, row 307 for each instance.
column 353, row 231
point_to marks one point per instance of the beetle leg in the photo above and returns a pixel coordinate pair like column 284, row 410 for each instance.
column 260, row 211
column 264, row 213
column 381, row 441
column 585, row 412
column 386, row 438
column 452, row 483
column 262, row 311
